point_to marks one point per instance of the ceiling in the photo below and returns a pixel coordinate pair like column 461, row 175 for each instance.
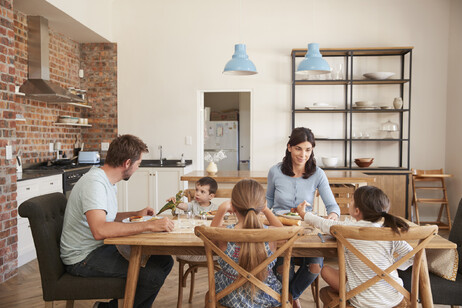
column 59, row 21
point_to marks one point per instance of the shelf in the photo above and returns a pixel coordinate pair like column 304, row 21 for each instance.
column 330, row 139
column 378, row 110
column 72, row 124
column 378, row 168
column 74, row 104
column 385, row 81
column 320, row 82
column 379, row 139
column 320, row 110
column 341, row 52
column 345, row 82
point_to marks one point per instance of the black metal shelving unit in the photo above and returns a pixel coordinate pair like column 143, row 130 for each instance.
column 349, row 56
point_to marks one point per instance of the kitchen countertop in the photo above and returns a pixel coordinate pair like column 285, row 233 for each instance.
column 170, row 163
column 35, row 174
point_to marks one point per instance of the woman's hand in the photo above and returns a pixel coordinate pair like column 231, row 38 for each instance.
column 332, row 216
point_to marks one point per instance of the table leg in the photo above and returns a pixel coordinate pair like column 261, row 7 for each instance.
column 132, row 276
column 424, row 284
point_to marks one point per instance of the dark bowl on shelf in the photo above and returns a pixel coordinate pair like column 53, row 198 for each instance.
column 363, row 164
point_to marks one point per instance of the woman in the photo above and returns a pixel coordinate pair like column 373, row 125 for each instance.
column 294, row 182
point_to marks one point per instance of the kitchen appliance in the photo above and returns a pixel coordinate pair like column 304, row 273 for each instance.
column 223, row 135
column 90, row 157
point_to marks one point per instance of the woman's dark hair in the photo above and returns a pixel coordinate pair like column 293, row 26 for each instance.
column 374, row 204
column 125, row 147
column 299, row 135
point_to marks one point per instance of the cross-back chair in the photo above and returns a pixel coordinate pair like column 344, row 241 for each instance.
column 210, row 235
column 437, row 184
column 344, row 233
column 343, row 194
column 193, row 265
column 46, row 216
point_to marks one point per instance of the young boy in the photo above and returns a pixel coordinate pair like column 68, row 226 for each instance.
column 206, row 188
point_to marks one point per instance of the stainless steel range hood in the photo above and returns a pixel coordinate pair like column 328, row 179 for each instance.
column 38, row 86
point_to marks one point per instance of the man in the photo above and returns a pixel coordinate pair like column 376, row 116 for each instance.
column 91, row 216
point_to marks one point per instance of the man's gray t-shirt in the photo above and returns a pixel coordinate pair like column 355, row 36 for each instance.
column 93, row 191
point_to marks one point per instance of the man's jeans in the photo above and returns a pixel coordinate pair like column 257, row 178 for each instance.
column 106, row 261
column 302, row 279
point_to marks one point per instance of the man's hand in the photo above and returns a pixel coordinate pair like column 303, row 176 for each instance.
column 147, row 211
column 163, row 224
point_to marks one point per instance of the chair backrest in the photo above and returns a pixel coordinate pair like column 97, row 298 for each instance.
column 344, row 233
column 46, row 215
column 343, row 194
column 456, row 233
column 417, row 178
column 210, row 235
column 221, row 193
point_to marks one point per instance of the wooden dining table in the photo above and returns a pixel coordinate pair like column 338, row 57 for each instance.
column 184, row 242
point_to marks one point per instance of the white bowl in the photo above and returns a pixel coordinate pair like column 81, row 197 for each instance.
column 364, row 103
column 321, row 105
column 379, row 75
column 329, row 161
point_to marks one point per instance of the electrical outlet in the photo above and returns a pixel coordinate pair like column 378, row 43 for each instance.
column 104, row 146
column 9, row 152
column 51, row 147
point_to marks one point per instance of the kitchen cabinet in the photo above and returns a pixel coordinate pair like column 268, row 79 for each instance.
column 25, row 190
column 150, row 187
column 326, row 104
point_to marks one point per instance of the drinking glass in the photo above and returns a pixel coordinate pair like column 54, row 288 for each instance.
column 190, row 216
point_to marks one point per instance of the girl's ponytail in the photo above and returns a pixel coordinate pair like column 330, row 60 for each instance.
column 395, row 223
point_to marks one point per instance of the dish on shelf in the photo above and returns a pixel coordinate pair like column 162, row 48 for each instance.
column 364, row 103
column 68, row 119
column 379, row 75
column 329, row 161
column 364, row 162
column 365, row 108
column 386, row 107
column 320, row 107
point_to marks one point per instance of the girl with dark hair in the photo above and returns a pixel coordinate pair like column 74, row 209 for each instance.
column 247, row 201
column 369, row 209
column 293, row 183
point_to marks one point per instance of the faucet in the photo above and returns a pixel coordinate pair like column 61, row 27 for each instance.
column 160, row 159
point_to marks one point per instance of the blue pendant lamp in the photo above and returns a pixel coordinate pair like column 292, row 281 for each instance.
column 313, row 63
column 240, row 63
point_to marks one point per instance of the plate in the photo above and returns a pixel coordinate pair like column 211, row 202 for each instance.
column 320, row 108
column 284, row 213
column 145, row 218
column 379, row 75
column 365, row 108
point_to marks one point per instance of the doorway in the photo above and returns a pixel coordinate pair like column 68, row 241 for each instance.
column 224, row 124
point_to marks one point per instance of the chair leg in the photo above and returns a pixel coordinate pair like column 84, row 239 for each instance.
column 417, row 213
column 70, row 303
column 180, row 283
column 315, row 291
column 120, row 303
column 49, row 304
column 191, row 289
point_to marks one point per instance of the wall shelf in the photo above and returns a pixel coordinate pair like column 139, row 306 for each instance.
column 72, row 124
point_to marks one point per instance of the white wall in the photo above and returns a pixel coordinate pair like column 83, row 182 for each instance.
column 454, row 110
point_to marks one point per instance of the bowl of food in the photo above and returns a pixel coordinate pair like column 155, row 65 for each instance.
column 329, row 161
column 364, row 162
column 379, row 75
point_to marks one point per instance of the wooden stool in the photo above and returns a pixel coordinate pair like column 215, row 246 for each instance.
column 433, row 181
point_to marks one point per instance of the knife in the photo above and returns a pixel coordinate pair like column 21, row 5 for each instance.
column 320, row 236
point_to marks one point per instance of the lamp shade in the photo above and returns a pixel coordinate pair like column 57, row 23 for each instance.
column 313, row 63
column 240, row 63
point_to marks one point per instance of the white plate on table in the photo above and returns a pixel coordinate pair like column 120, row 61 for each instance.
column 210, row 216
column 283, row 213
column 144, row 218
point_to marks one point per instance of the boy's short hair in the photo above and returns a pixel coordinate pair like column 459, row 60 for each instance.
column 213, row 186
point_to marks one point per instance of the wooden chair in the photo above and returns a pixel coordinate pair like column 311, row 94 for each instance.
column 343, row 194
column 343, row 233
column 46, row 216
column 436, row 183
column 193, row 266
column 209, row 235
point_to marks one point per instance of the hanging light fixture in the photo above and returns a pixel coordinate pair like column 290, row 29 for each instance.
column 240, row 64
column 313, row 63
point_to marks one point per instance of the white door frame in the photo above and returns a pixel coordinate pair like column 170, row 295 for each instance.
column 200, row 124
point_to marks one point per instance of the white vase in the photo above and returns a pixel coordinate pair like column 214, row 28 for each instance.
column 398, row 102
column 212, row 169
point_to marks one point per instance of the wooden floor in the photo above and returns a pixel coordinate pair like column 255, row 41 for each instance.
column 25, row 291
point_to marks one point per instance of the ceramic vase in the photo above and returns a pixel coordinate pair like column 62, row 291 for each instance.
column 212, row 169
column 398, row 102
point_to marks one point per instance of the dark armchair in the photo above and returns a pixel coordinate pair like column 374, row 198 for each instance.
column 46, row 214
column 445, row 292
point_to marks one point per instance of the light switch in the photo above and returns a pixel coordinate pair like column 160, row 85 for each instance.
column 9, row 152
column 51, row 147
column 188, row 140
column 104, row 146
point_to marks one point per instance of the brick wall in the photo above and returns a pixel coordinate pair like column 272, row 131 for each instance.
column 8, row 211
column 31, row 137
column 99, row 62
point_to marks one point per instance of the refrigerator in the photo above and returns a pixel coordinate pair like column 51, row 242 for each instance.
column 223, row 135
